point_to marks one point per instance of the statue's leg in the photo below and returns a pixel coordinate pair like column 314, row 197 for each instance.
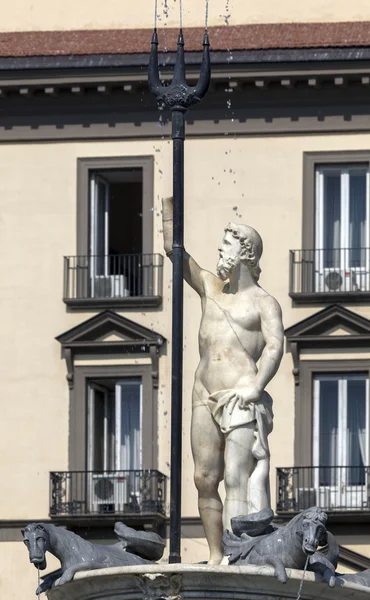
column 259, row 486
column 207, row 444
column 239, row 464
column 83, row 566
column 48, row 581
column 277, row 563
column 320, row 564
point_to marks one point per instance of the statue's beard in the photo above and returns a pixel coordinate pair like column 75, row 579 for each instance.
column 226, row 267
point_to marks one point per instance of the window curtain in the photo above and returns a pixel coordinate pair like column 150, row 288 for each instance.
column 130, row 425
column 356, row 431
column 357, row 218
column 332, row 219
column 328, row 434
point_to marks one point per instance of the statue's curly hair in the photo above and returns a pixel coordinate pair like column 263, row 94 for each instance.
column 251, row 246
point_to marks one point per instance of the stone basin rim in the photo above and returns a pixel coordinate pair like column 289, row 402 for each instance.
column 168, row 569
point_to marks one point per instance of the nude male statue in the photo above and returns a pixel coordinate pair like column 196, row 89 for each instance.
column 232, row 414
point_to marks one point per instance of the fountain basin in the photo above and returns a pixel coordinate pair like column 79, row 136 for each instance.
column 203, row 582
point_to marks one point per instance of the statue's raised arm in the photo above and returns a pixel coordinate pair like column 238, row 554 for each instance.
column 193, row 273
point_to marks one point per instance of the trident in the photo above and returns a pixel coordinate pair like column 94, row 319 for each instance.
column 178, row 97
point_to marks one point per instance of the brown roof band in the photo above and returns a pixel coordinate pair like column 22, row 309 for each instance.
column 137, row 41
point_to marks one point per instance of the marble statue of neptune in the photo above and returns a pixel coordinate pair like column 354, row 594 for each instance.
column 232, row 413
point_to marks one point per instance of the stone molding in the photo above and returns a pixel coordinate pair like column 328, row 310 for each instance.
column 158, row 586
column 86, row 337
column 203, row 581
column 314, row 333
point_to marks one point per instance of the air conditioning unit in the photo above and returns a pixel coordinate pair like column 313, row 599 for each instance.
column 343, row 280
column 306, row 497
column 109, row 493
column 110, row 286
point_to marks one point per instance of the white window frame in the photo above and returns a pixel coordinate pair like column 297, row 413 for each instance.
column 342, row 489
column 95, row 181
column 119, row 384
column 118, row 388
column 361, row 274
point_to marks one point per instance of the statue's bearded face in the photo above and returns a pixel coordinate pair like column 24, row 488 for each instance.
column 229, row 251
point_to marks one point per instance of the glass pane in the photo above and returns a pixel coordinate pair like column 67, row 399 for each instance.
column 100, row 228
column 357, row 218
column 98, row 433
column 356, row 433
column 111, row 430
column 328, row 432
column 332, row 218
column 130, row 425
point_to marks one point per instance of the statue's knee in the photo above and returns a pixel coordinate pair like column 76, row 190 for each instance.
column 232, row 480
column 206, row 481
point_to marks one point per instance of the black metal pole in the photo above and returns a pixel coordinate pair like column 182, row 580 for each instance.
column 177, row 96
column 178, row 136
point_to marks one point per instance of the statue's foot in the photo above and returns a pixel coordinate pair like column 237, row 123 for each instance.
column 216, row 560
column 225, row 561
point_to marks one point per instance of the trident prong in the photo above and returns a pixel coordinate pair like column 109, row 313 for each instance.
column 178, row 93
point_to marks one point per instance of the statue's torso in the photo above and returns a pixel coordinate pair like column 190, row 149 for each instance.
column 230, row 337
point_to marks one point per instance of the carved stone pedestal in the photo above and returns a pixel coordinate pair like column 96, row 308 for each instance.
column 199, row 582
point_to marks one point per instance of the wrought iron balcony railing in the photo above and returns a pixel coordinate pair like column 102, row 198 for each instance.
column 97, row 493
column 331, row 272
column 334, row 489
column 113, row 279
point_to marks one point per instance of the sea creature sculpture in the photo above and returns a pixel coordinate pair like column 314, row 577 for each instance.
column 362, row 578
column 76, row 554
column 255, row 540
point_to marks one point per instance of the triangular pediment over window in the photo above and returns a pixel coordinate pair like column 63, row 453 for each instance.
column 332, row 322
column 330, row 329
column 109, row 333
column 109, row 328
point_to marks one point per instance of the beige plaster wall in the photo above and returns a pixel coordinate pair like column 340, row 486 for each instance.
column 18, row 578
column 37, row 227
column 343, row 569
column 24, row 15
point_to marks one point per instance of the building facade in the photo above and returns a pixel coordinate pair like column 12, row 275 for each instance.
column 282, row 143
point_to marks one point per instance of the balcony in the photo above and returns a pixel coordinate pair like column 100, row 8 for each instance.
column 121, row 280
column 136, row 496
column 337, row 490
column 330, row 275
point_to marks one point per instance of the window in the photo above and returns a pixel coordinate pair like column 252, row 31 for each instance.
column 341, row 435
column 115, row 264
column 333, row 263
column 108, row 399
column 116, row 232
column 342, row 228
column 112, row 370
column 114, row 425
column 331, row 369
